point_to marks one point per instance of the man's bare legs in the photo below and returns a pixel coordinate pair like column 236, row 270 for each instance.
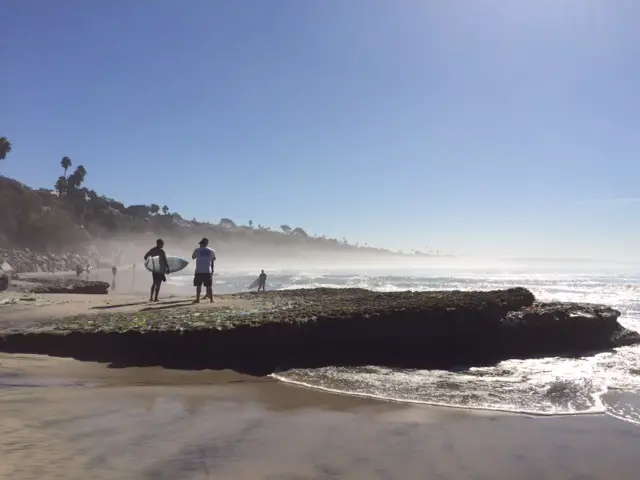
column 209, row 294
column 155, row 290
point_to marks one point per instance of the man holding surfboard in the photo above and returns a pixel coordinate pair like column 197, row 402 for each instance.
column 158, row 278
column 204, row 257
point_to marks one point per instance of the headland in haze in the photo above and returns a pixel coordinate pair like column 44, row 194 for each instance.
column 74, row 218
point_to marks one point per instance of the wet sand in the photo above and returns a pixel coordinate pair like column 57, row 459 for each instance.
column 66, row 419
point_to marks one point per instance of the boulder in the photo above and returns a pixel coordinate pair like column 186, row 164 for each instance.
column 67, row 285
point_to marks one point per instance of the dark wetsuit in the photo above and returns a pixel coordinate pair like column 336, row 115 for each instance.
column 262, row 281
column 158, row 252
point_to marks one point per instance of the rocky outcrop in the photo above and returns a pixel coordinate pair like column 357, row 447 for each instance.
column 4, row 282
column 66, row 285
column 22, row 261
column 320, row 327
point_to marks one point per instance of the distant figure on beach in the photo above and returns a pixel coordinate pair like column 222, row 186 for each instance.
column 204, row 257
column 88, row 270
column 262, row 281
column 79, row 271
column 158, row 278
column 114, row 271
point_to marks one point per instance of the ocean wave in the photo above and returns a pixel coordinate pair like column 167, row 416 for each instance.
column 548, row 386
column 608, row 382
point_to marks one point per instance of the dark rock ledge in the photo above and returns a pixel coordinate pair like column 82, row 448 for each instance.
column 64, row 285
column 319, row 327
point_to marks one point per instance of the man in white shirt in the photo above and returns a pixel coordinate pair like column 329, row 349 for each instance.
column 204, row 257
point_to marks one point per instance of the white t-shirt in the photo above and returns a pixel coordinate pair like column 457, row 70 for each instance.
column 204, row 257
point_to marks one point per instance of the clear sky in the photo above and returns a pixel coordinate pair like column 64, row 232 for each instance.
column 472, row 126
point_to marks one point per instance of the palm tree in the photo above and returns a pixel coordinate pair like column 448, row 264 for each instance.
column 5, row 147
column 61, row 186
column 76, row 179
column 250, row 223
column 65, row 163
column 154, row 208
column 165, row 210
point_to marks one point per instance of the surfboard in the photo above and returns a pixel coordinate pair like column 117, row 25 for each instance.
column 255, row 283
column 175, row 264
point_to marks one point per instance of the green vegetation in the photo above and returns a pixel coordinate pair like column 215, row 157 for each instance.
column 315, row 308
column 182, row 318
column 5, row 147
column 71, row 216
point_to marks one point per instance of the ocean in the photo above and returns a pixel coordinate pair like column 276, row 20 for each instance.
column 608, row 382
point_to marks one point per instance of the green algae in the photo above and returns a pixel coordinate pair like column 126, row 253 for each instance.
column 319, row 306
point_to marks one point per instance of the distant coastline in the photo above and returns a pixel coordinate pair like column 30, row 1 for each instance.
column 73, row 218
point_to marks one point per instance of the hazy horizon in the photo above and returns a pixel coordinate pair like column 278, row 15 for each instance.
column 233, row 258
column 480, row 128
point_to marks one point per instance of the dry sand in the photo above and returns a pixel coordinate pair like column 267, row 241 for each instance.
column 65, row 419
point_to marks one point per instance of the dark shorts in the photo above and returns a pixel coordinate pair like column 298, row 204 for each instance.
column 200, row 279
column 159, row 277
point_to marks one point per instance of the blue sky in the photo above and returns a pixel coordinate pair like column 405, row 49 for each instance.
column 473, row 126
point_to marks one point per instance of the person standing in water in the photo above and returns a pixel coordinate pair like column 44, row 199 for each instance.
column 114, row 271
column 262, row 281
column 204, row 257
column 158, row 278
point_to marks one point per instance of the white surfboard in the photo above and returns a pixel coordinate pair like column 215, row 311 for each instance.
column 175, row 264
column 255, row 283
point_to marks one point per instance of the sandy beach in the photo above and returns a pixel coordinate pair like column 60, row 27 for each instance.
column 67, row 419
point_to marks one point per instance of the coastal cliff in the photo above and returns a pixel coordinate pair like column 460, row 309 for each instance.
column 319, row 327
column 25, row 260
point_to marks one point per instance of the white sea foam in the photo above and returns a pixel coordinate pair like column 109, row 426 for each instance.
column 608, row 382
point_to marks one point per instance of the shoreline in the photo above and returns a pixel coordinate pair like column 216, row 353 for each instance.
column 98, row 422
column 424, row 403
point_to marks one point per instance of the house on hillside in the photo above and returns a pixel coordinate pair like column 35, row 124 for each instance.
column 48, row 191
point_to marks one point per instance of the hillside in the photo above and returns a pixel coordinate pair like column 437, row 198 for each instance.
column 73, row 218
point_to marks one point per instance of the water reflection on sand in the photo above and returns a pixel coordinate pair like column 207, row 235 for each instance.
column 66, row 419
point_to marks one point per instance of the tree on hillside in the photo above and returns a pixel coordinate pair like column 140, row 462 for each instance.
column 111, row 203
column 61, row 186
column 138, row 211
column 227, row 223
column 92, row 195
column 285, row 228
column 250, row 223
column 66, row 164
column 5, row 147
column 154, row 209
column 165, row 210
column 76, row 179
column 300, row 232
